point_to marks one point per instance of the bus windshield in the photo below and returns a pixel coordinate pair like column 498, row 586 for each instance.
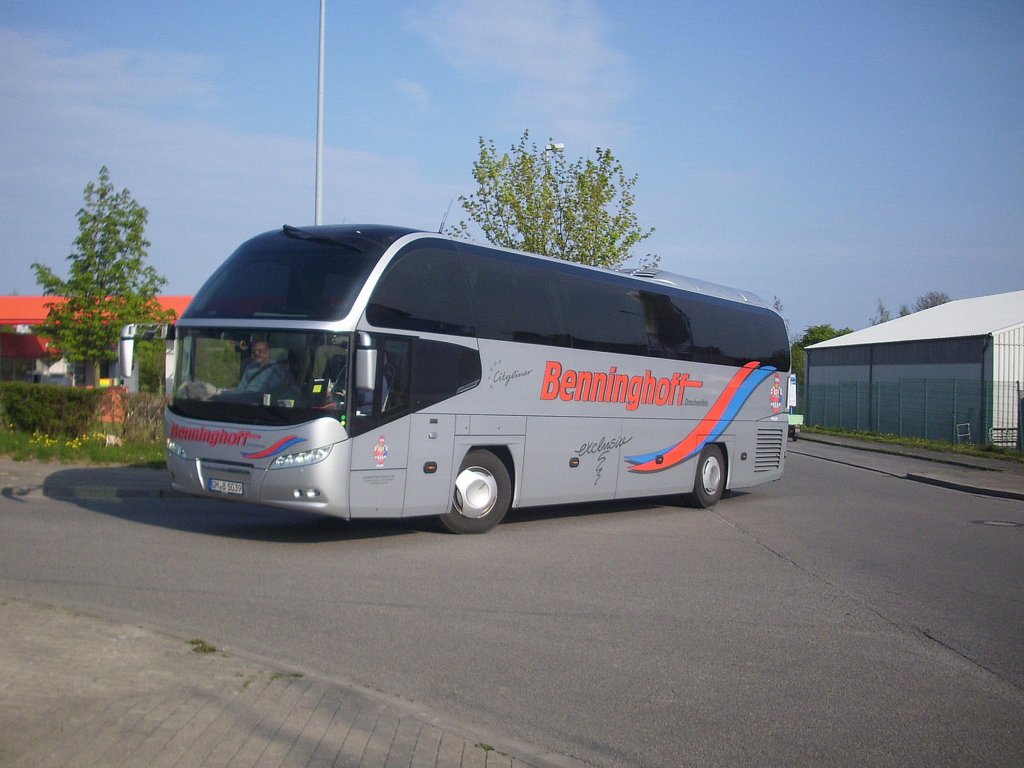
column 293, row 274
column 261, row 376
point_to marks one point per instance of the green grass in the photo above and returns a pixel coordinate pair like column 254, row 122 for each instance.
column 86, row 449
column 93, row 448
column 987, row 451
column 201, row 646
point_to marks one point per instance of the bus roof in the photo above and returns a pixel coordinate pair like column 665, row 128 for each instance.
column 692, row 284
column 372, row 239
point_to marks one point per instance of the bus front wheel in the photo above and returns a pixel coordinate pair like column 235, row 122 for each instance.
column 482, row 494
column 709, row 481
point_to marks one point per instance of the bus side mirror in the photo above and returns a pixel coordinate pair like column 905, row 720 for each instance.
column 366, row 368
column 126, row 352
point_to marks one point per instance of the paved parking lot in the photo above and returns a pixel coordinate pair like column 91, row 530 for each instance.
column 787, row 626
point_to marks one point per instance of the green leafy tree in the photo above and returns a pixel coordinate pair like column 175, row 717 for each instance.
column 533, row 199
column 151, row 356
column 109, row 284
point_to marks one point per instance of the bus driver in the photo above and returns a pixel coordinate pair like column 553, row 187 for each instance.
column 262, row 375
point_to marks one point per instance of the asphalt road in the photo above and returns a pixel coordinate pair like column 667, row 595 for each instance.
column 838, row 617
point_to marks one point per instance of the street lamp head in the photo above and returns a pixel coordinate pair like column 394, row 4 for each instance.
column 554, row 147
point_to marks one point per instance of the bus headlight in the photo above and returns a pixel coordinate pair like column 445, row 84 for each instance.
column 302, row 458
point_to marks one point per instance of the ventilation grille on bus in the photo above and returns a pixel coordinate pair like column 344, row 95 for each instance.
column 768, row 452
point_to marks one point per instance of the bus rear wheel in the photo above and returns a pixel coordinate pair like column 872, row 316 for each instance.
column 482, row 494
column 709, row 481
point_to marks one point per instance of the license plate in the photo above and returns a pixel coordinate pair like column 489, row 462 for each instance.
column 224, row 486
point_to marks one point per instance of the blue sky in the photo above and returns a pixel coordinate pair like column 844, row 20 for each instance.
column 828, row 153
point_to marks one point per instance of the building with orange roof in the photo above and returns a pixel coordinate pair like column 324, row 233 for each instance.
column 32, row 310
column 26, row 356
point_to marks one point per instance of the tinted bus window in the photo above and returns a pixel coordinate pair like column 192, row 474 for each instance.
column 605, row 316
column 727, row 333
column 440, row 371
column 424, row 289
column 516, row 301
column 667, row 327
column 497, row 295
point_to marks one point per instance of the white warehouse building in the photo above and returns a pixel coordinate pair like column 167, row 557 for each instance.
column 953, row 372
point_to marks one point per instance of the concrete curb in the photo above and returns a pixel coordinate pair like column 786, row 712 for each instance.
column 965, row 487
column 991, row 477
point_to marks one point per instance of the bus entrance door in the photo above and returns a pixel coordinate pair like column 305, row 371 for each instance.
column 428, row 489
column 379, row 461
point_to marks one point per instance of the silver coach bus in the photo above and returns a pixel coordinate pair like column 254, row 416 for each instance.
column 374, row 371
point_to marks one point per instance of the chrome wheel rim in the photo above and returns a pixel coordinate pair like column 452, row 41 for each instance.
column 711, row 476
column 476, row 492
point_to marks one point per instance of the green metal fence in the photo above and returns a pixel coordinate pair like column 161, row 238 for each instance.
column 953, row 410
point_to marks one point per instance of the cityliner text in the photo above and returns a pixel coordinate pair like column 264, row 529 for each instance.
column 613, row 387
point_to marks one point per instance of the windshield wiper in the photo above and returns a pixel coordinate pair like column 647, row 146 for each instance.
column 315, row 237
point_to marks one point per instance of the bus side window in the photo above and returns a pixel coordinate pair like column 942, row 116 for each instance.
column 668, row 328
column 442, row 370
column 515, row 301
column 394, row 377
column 604, row 316
column 424, row 289
column 381, row 381
column 329, row 379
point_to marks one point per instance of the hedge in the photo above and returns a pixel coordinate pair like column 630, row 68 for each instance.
column 70, row 411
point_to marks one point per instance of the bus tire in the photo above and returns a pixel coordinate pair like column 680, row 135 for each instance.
column 481, row 496
column 709, row 480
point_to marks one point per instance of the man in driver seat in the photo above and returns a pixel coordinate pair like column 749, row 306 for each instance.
column 262, row 374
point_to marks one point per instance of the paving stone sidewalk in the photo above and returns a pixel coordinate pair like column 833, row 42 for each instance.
column 77, row 691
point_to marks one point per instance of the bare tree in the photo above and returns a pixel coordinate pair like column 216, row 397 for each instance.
column 931, row 299
column 882, row 314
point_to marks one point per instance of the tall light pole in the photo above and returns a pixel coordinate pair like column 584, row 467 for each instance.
column 552, row 203
column 318, row 206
